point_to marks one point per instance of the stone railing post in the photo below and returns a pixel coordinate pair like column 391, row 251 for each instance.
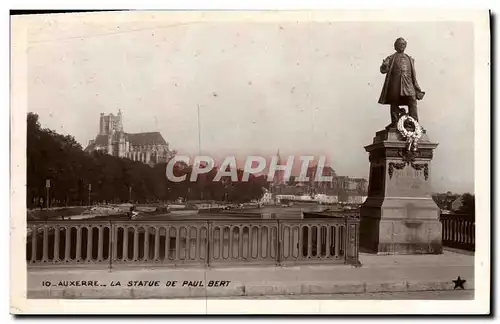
column 112, row 244
column 208, row 244
column 278, row 243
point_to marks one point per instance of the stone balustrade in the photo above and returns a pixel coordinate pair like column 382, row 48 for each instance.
column 178, row 243
column 459, row 231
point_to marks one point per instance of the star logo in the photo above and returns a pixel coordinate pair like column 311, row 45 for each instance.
column 459, row 283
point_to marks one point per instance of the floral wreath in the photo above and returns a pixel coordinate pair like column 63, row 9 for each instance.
column 412, row 137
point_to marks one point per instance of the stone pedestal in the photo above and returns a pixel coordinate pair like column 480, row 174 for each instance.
column 399, row 215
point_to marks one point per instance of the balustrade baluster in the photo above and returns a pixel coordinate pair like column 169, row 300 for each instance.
column 184, row 239
column 240, row 242
column 259, row 242
column 448, row 226
column 100, row 243
column 474, row 234
column 34, row 238
column 67, row 246
column 269, row 241
column 216, row 242
column 469, row 233
column 252, row 241
column 197, row 243
column 287, row 243
column 136, row 243
column 113, row 238
column 45, row 255
column 167, row 242
column 247, row 243
column 125, row 243
column 230, row 246
column 454, row 231
column 56, row 242
column 337, row 241
column 464, row 232
column 177, row 243
column 450, row 230
column 460, row 231
column 78, row 256
column 301, row 241
column 157, row 243
column 309, row 241
column 145, row 255
column 319, row 228
column 90, row 238
column 328, row 240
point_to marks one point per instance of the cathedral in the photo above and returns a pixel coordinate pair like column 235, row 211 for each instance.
column 148, row 148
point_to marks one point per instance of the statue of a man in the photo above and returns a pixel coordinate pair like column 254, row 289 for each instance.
column 400, row 87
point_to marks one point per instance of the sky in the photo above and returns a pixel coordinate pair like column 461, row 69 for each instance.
column 303, row 87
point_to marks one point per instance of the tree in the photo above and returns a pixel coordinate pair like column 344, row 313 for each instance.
column 71, row 170
column 468, row 205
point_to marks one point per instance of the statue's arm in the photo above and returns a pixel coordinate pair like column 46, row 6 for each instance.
column 415, row 83
column 384, row 68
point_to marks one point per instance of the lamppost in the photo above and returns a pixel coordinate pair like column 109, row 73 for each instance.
column 130, row 193
column 90, row 189
column 47, row 186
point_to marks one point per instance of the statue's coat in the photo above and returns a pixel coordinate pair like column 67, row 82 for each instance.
column 386, row 67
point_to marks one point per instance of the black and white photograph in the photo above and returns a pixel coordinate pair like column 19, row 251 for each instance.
column 207, row 157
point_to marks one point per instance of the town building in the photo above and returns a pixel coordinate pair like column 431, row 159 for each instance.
column 341, row 189
column 457, row 204
column 150, row 147
column 267, row 198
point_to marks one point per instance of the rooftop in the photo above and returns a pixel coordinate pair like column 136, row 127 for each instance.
column 149, row 138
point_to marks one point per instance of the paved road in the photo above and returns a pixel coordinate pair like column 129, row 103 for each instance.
column 423, row 295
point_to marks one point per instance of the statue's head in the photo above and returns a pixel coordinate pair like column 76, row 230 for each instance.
column 400, row 45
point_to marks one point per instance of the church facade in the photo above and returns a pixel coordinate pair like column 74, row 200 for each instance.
column 150, row 147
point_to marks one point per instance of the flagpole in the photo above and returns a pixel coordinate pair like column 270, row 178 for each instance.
column 199, row 131
column 199, row 139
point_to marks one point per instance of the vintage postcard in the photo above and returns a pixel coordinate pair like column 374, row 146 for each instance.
column 302, row 162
